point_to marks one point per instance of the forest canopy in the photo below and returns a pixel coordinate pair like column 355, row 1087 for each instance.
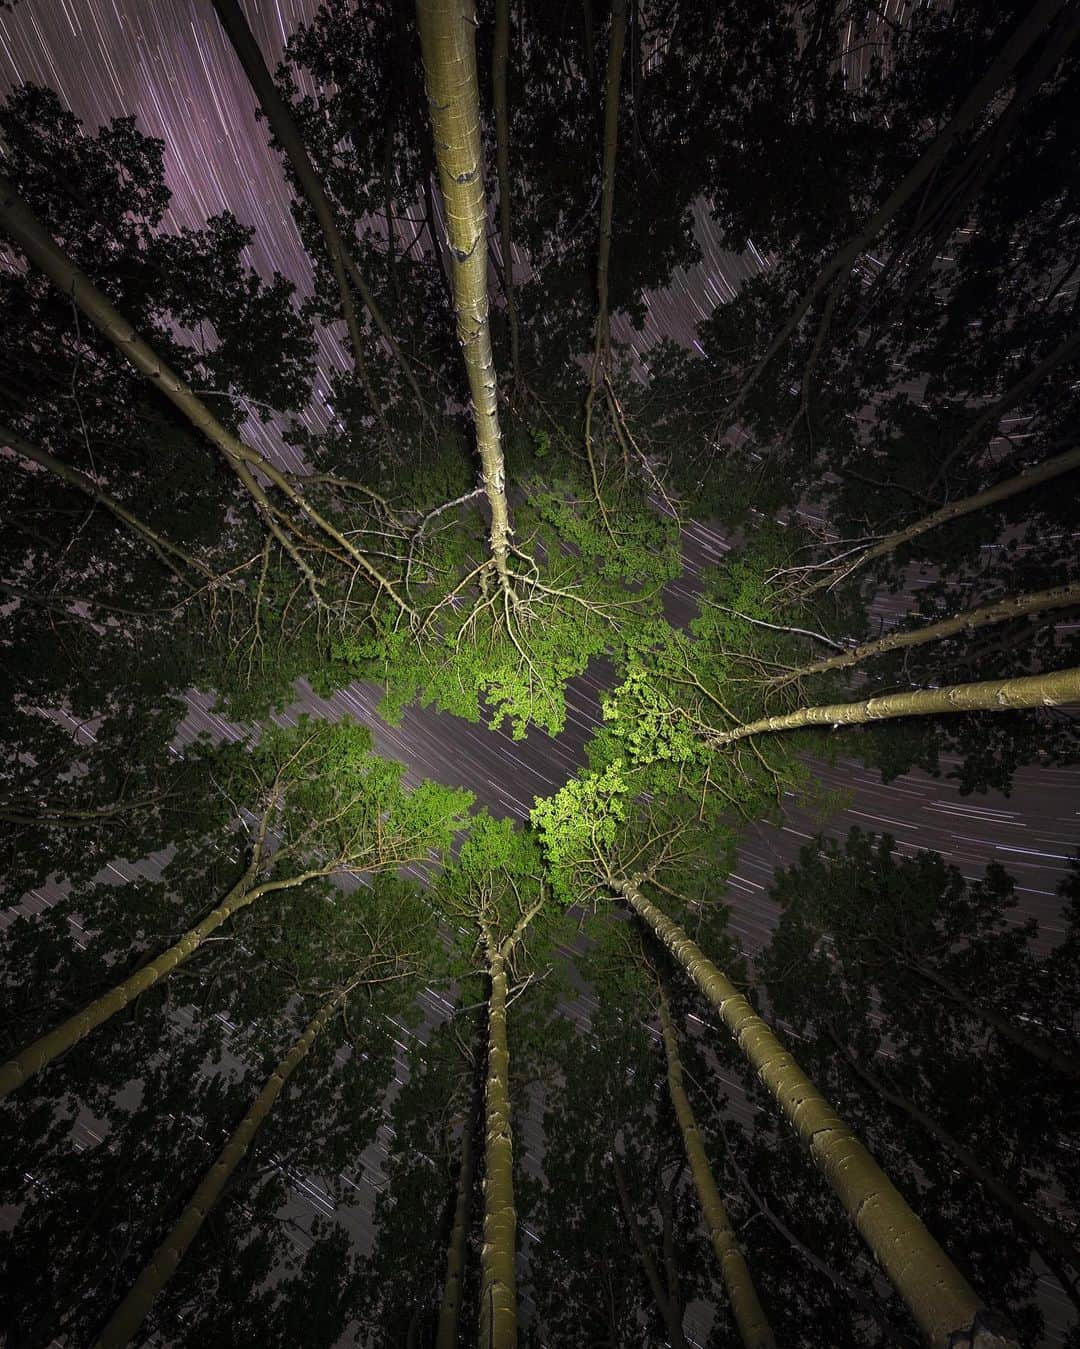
column 308, row 1046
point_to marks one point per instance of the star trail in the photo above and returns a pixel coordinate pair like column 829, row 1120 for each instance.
column 170, row 65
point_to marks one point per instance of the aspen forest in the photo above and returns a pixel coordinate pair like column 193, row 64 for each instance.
column 540, row 644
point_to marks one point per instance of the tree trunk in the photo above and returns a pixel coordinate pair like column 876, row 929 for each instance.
column 450, row 1309
column 1043, row 1231
column 56, row 1042
column 499, row 60
column 1022, row 482
column 993, row 695
column 753, row 1326
column 129, row 1316
column 448, row 48
column 1017, row 606
column 41, row 249
column 161, row 546
column 288, row 134
column 648, row 1264
column 938, row 1296
column 1022, row 39
column 498, row 1280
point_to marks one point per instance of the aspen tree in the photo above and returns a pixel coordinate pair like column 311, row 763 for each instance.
column 669, row 1312
column 448, row 48
column 341, row 259
column 361, row 820
column 940, row 1299
column 498, row 1278
column 50, row 1046
column 838, row 267
column 1047, row 471
column 750, row 1319
column 1046, row 1234
column 167, row 553
column 450, row 1308
column 1053, row 689
column 601, row 361
column 124, row 1323
column 41, row 249
column 1016, row 606
column 616, row 46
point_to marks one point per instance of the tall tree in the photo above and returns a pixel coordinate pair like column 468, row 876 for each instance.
column 124, row 1323
column 754, row 1329
column 495, row 887
column 334, row 807
column 23, row 226
column 1045, row 690
column 448, row 45
column 936, row 1293
column 341, row 259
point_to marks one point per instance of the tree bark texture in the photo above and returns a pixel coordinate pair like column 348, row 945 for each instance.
column 938, row 1296
column 993, row 695
column 448, row 48
column 750, row 1319
column 124, row 1323
column 1044, row 1232
column 500, row 54
column 498, row 1279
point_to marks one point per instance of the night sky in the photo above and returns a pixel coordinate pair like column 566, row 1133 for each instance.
column 169, row 63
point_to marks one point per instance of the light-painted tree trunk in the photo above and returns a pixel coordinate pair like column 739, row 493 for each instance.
column 993, row 695
column 41, row 249
column 498, row 1278
column 1013, row 52
column 448, row 48
column 287, row 132
column 500, row 53
column 50, row 1046
column 124, row 1323
column 165, row 550
column 936, row 1293
column 450, row 1308
column 1022, row 482
column 1017, row 606
column 753, row 1326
